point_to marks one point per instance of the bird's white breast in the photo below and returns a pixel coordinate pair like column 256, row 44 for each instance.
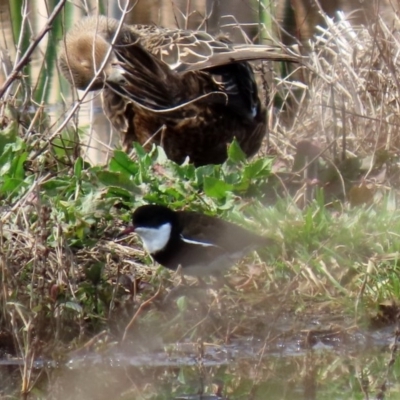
column 154, row 239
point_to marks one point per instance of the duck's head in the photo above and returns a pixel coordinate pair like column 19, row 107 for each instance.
column 84, row 50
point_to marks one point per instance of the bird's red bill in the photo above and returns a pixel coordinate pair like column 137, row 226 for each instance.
column 127, row 231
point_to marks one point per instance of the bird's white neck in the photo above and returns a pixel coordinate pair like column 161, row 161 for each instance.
column 154, row 239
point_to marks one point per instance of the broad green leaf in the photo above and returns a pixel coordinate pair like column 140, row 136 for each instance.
column 73, row 306
column 17, row 166
column 206, row 171
column 235, row 153
column 242, row 186
column 260, row 168
column 216, row 188
column 122, row 163
column 140, row 151
column 9, row 154
column 55, row 185
column 187, row 172
column 11, row 185
column 114, row 191
column 161, row 156
column 229, row 202
column 5, row 161
column 117, row 179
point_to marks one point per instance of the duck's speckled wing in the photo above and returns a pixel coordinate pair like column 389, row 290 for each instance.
column 185, row 50
column 163, row 71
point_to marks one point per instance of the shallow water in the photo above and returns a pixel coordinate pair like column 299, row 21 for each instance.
column 309, row 364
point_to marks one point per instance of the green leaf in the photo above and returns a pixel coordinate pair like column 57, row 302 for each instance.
column 93, row 273
column 80, row 231
column 74, row 306
column 5, row 161
column 37, row 308
column 65, row 144
column 10, row 185
column 78, row 167
column 242, row 186
column 122, row 163
column 235, row 153
column 161, row 157
column 182, row 303
column 229, row 202
column 139, row 150
column 216, row 188
column 260, row 168
column 206, row 171
column 17, row 166
column 183, row 172
column 118, row 179
column 53, row 187
column 182, row 376
column 114, row 191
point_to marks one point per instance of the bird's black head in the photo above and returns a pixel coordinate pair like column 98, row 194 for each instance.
column 153, row 216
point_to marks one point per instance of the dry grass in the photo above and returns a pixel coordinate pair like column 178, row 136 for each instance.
column 352, row 90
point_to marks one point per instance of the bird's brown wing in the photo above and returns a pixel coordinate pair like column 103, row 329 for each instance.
column 185, row 50
column 146, row 80
column 149, row 83
column 203, row 229
column 225, row 65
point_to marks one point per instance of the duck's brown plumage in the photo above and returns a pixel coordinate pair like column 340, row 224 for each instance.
column 183, row 90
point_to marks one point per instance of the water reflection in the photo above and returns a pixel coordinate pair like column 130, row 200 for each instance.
column 309, row 375
column 307, row 364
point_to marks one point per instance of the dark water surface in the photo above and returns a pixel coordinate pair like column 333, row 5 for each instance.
column 315, row 363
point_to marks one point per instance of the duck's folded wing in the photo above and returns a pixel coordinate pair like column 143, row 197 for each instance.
column 196, row 50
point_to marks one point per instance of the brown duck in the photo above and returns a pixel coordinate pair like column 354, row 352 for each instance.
column 186, row 91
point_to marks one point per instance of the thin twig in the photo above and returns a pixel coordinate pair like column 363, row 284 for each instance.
column 26, row 57
column 138, row 312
